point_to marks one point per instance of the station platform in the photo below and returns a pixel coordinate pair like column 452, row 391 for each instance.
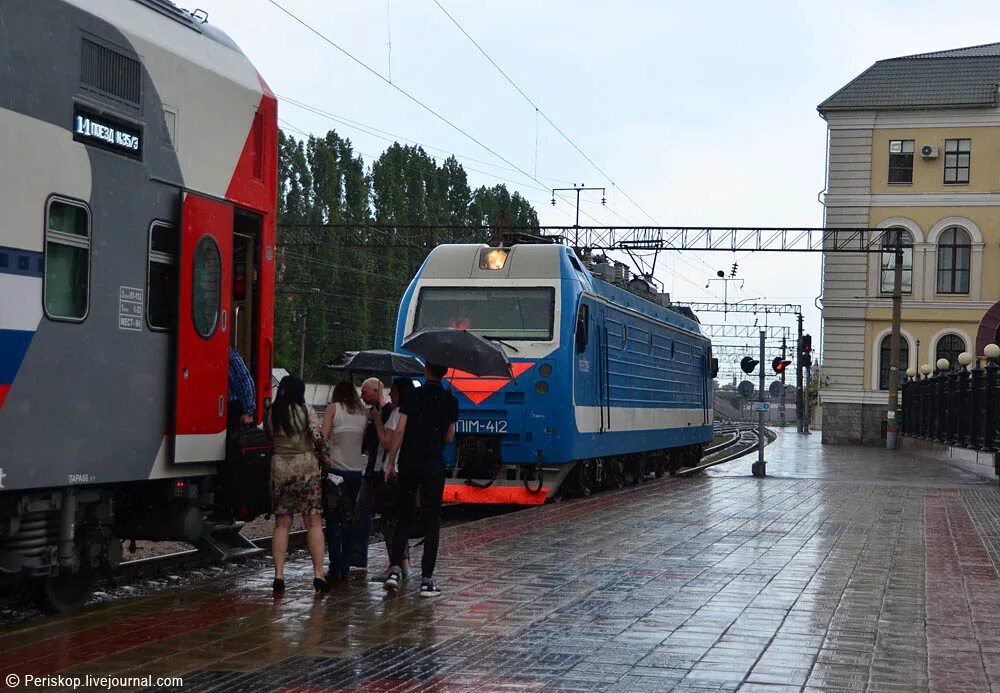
column 845, row 569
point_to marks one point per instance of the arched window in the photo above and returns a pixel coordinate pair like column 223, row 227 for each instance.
column 888, row 261
column 884, row 360
column 949, row 347
column 954, row 250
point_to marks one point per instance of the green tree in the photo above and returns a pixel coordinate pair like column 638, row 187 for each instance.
column 496, row 208
column 346, row 285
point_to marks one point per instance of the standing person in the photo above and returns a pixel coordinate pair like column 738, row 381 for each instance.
column 380, row 409
column 295, row 477
column 344, row 425
column 426, row 424
column 385, row 486
column 242, row 393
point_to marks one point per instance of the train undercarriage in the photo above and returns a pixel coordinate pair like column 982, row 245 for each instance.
column 58, row 541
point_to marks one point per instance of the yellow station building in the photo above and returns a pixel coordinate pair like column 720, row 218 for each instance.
column 912, row 143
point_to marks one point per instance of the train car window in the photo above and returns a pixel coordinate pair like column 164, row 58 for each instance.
column 582, row 328
column 206, row 284
column 161, row 304
column 66, row 286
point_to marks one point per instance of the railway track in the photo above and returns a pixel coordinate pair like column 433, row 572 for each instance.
column 742, row 439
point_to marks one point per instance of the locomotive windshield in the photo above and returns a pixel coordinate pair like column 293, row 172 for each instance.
column 523, row 312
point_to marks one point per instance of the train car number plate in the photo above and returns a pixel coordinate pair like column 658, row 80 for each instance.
column 496, row 426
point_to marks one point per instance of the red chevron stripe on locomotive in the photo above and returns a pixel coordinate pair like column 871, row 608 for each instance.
column 480, row 388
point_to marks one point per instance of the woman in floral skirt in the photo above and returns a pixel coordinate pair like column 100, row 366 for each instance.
column 295, row 477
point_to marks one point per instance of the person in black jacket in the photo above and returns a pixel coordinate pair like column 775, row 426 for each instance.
column 426, row 424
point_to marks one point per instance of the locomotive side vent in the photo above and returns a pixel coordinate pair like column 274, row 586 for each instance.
column 111, row 73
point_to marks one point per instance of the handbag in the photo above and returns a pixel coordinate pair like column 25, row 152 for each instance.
column 336, row 504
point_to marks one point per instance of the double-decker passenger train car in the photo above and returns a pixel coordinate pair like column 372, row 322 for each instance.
column 136, row 247
column 608, row 385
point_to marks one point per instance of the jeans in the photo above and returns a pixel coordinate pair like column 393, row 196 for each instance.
column 429, row 481
column 339, row 534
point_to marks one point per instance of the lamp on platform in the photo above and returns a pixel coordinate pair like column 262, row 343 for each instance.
column 991, row 351
column 925, row 369
column 965, row 358
column 942, row 365
column 911, row 372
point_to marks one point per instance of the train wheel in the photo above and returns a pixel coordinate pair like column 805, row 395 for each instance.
column 642, row 469
column 63, row 592
column 660, row 465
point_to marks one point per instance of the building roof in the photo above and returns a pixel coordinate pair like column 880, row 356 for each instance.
column 958, row 78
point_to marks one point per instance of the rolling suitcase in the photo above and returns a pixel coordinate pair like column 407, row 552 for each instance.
column 245, row 475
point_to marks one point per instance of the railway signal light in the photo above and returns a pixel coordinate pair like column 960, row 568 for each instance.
column 779, row 364
column 748, row 364
column 807, row 347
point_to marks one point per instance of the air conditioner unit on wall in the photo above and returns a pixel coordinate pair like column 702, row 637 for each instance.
column 929, row 151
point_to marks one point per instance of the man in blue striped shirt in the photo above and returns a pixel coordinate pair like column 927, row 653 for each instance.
column 241, row 387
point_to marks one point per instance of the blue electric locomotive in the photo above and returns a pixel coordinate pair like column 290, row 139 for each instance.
column 608, row 386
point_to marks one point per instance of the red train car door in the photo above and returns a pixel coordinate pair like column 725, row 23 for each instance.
column 204, row 296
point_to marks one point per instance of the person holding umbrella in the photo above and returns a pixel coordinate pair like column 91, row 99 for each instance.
column 426, row 424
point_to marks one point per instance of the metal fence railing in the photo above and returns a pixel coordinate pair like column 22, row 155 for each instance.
column 957, row 408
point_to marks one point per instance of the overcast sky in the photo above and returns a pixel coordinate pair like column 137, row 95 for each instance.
column 703, row 113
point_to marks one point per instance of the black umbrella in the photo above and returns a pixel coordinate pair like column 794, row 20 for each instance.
column 378, row 361
column 459, row 349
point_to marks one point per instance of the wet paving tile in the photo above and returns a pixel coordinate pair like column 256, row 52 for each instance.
column 843, row 570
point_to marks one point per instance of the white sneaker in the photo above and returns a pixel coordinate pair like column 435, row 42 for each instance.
column 429, row 589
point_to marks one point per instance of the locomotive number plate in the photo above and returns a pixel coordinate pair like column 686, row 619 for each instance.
column 497, row 426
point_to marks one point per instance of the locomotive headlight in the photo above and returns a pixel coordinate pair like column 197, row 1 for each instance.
column 541, row 387
column 545, row 369
column 493, row 259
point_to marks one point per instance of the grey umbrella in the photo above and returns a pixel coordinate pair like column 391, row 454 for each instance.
column 459, row 349
column 378, row 361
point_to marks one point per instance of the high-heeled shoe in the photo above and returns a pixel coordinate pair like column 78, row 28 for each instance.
column 278, row 586
column 321, row 585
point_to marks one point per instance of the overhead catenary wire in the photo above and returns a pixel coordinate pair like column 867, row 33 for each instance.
column 437, row 115
column 452, row 125
column 539, row 111
column 389, row 136
column 436, row 174
column 290, row 126
column 405, row 93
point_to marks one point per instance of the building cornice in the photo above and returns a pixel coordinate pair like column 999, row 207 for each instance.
column 977, row 306
column 951, row 118
column 827, row 396
column 929, row 199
